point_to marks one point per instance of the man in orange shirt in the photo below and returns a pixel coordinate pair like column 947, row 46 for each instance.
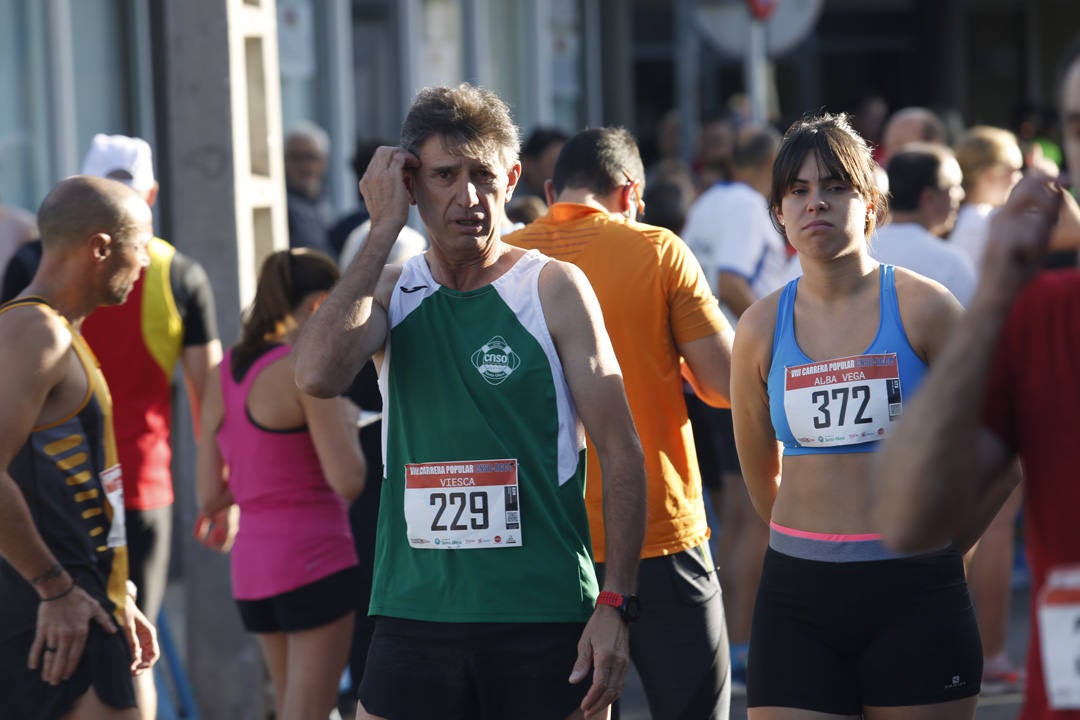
column 665, row 324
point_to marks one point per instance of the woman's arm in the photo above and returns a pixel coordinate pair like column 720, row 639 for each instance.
column 211, row 485
column 218, row 518
column 759, row 452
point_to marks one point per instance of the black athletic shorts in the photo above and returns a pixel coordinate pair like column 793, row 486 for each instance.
column 472, row 671
column 838, row 637
column 106, row 664
column 714, row 441
column 308, row 606
column 149, row 539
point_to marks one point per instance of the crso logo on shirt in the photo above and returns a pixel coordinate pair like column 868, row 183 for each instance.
column 496, row 360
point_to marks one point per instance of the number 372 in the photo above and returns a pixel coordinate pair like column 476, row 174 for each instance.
column 823, row 398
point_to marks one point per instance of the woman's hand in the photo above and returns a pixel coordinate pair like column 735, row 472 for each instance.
column 217, row 530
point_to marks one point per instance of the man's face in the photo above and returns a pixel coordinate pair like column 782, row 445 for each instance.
column 906, row 126
column 947, row 198
column 717, row 139
column 305, row 166
column 1070, row 122
column 129, row 253
column 900, row 132
column 461, row 198
column 1002, row 177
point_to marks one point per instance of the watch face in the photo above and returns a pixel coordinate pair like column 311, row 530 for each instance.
column 631, row 609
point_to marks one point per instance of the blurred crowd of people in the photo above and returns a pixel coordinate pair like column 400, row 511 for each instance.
column 840, row 237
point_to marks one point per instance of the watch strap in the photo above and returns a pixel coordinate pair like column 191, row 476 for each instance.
column 610, row 598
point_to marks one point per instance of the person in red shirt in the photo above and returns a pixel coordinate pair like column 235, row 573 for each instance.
column 168, row 319
column 1005, row 387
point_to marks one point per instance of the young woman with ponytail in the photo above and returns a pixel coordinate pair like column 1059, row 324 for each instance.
column 290, row 463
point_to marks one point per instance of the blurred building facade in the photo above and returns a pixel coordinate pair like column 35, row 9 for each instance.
column 973, row 61
column 70, row 68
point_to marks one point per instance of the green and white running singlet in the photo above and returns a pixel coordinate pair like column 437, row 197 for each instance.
column 482, row 516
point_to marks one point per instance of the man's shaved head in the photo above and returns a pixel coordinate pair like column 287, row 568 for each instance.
column 82, row 205
column 911, row 124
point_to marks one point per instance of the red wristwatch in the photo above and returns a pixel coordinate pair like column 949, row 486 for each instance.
column 629, row 606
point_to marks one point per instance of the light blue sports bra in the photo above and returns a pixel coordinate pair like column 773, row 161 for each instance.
column 841, row 405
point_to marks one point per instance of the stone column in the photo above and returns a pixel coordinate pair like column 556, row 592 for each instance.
column 226, row 185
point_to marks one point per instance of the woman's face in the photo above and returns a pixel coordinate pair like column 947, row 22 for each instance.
column 1004, row 175
column 824, row 216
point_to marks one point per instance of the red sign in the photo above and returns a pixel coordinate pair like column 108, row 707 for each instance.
column 762, row 9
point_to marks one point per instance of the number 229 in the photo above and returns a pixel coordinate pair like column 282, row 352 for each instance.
column 478, row 507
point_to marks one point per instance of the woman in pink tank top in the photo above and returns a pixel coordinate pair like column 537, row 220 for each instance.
column 287, row 464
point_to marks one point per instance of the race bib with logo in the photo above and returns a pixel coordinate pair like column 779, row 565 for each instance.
column 463, row 505
column 844, row 401
column 1059, row 635
column 113, row 483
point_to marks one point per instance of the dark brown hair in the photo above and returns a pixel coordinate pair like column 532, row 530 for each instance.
column 286, row 278
column 599, row 160
column 840, row 152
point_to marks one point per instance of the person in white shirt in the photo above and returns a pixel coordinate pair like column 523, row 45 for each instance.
column 992, row 164
column 925, row 182
column 729, row 230
column 744, row 257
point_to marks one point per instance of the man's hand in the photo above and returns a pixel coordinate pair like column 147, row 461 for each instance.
column 217, row 531
column 385, row 187
column 62, row 627
column 142, row 636
column 604, row 647
column 1018, row 238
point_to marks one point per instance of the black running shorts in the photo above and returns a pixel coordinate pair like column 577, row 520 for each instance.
column 838, row 637
column 472, row 671
column 308, row 606
column 106, row 664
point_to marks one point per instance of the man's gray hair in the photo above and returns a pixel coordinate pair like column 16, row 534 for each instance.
column 472, row 119
column 310, row 131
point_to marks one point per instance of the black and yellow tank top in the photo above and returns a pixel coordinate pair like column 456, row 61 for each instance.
column 69, row 474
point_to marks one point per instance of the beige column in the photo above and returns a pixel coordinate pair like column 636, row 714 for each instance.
column 226, row 189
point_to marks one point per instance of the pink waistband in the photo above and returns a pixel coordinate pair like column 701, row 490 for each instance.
column 822, row 537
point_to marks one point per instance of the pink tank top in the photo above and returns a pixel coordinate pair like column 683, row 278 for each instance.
column 294, row 529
